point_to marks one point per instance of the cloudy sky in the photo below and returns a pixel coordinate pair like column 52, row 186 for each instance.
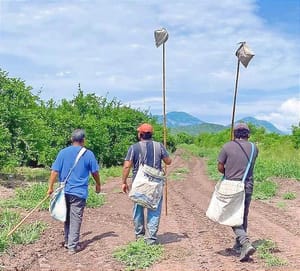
column 108, row 47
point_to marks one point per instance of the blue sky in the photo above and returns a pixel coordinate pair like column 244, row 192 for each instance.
column 108, row 47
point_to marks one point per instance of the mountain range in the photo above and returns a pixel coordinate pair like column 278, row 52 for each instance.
column 184, row 122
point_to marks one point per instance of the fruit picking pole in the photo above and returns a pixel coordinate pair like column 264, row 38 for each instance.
column 234, row 99
column 21, row 222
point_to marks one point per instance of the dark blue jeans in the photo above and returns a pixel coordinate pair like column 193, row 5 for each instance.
column 75, row 208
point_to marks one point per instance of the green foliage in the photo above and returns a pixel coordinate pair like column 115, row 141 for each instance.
column 27, row 197
column 266, row 251
column 183, row 138
column 94, row 200
column 110, row 172
column 25, row 234
column 138, row 255
column 296, row 136
column 33, row 131
column 264, row 190
column 289, row 195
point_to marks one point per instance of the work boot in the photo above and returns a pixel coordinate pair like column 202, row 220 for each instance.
column 237, row 247
column 246, row 251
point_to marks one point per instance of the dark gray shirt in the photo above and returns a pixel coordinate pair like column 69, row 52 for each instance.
column 235, row 156
column 147, row 152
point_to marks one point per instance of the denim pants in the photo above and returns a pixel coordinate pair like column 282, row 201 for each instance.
column 153, row 218
column 75, row 208
column 241, row 231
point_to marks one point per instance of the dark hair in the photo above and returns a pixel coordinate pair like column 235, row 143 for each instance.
column 241, row 133
column 146, row 136
column 78, row 135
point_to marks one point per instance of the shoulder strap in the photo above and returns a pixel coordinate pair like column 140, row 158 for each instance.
column 80, row 153
column 249, row 162
column 242, row 149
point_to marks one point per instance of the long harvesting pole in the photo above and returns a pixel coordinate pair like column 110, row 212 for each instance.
column 234, row 99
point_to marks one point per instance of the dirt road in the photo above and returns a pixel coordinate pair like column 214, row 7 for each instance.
column 191, row 241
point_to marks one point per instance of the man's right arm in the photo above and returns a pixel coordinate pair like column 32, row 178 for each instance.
column 126, row 170
column 52, row 179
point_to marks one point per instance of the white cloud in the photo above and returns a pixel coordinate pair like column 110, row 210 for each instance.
column 110, row 47
column 287, row 114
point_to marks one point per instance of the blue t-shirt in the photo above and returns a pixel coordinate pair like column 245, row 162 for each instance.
column 77, row 184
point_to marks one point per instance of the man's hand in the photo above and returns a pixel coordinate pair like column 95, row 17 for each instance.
column 98, row 188
column 50, row 191
column 125, row 188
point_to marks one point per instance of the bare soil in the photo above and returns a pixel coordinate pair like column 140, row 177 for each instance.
column 191, row 241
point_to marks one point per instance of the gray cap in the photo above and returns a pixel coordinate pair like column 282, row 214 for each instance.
column 241, row 126
column 78, row 135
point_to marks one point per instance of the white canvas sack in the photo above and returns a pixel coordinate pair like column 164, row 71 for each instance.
column 147, row 187
column 58, row 206
column 227, row 203
column 228, row 200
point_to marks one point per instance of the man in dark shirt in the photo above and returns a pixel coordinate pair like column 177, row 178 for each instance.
column 232, row 162
column 150, row 153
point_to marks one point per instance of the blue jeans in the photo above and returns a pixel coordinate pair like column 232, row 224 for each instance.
column 153, row 218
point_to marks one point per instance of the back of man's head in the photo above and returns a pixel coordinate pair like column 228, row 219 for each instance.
column 78, row 135
column 241, row 130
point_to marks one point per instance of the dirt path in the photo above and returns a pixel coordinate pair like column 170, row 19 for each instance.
column 191, row 241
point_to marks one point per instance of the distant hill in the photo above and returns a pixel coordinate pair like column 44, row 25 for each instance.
column 184, row 122
column 270, row 128
column 177, row 119
column 198, row 128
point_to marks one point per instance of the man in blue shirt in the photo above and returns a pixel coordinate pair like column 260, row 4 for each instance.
column 151, row 153
column 76, row 187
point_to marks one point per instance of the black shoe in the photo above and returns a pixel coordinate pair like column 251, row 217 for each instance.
column 246, row 251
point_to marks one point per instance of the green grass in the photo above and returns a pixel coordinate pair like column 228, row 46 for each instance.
column 264, row 190
column 289, row 195
column 266, row 252
column 281, row 205
column 106, row 173
column 94, row 200
column 28, row 197
column 179, row 174
column 25, row 234
column 138, row 255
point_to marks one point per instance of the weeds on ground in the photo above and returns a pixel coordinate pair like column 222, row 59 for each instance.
column 289, row 195
column 106, row 173
column 30, row 196
column 264, row 190
column 179, row 174
column 266, row 252
column 25, row 234
column 281, row 205
column 27, row 197
column 138, row 255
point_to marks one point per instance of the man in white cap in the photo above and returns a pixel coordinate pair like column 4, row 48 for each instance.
column 232, row 162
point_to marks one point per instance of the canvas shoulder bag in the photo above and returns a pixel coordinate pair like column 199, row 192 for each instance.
column 57, row 206
column 228, row 200
column 147, row 187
